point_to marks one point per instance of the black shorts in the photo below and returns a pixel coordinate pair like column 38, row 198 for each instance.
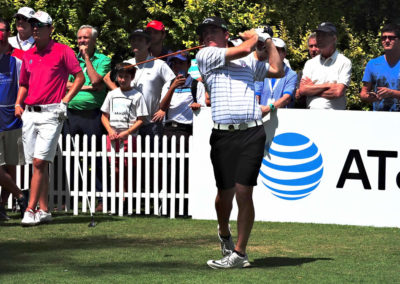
column 236, row 156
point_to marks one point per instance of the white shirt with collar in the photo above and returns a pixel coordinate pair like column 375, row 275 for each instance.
column 16, row 42
column 335, row 69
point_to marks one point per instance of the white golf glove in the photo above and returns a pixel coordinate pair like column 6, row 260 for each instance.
column 262, row 36
column 62, row 111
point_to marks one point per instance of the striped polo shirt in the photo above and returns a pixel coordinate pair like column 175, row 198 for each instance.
column 231, row 84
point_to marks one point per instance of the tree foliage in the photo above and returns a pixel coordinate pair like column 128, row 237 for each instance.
column 358, row 23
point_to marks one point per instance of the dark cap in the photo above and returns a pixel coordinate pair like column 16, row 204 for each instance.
column 326, row 27
column 140, row 32
column 212, row 21
column 183, row 56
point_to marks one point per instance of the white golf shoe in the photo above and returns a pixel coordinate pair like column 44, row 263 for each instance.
column 43, row 216
column 30, row 218
column 230, row 261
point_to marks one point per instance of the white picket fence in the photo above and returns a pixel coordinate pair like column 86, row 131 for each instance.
column 159, row 188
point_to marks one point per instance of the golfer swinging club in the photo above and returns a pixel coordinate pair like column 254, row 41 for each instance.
column 238, row 137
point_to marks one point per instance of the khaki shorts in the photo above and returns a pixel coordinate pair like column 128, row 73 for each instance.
column 11, row 148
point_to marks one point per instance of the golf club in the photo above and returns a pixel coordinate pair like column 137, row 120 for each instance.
column 92, row 222
column 163, row 56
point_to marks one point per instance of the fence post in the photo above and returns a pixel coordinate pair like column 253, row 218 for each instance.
column 121, row 166
column 164, row 190
column 76, row 174
column 130, row 173
column 139, row 170
column 173, row 177
column 182, row 172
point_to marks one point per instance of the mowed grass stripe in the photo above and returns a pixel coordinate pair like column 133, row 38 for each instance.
column 161, row 250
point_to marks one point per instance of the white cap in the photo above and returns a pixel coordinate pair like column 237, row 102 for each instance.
column 26, row 12
column 279, row 42
column 43, row 17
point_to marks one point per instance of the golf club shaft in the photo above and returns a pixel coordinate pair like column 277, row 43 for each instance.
column 163, row 56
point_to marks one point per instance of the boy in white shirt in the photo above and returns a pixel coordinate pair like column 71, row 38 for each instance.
column 123, row 112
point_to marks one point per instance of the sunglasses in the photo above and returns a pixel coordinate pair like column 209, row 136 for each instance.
column 23, row 18
column 390, row 38
column 39, row 25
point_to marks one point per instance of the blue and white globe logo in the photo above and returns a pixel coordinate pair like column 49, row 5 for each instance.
column 293, row 168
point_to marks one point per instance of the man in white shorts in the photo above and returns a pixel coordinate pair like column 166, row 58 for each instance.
column 44, row 75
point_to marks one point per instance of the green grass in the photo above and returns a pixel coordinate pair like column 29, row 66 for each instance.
column 160, row 250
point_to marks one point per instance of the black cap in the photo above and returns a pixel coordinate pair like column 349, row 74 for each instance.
column 326, row 27
column 140, row 32
column 212, row 21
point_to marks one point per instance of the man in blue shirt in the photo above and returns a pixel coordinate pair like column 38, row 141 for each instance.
column 277, row 92
column 11, row 149
column 382, row 75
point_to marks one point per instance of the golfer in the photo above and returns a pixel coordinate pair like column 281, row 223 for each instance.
column 238, row 138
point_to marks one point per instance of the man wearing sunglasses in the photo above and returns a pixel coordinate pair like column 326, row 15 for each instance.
column 381, row 81
column 24, row 39
column 42, row 104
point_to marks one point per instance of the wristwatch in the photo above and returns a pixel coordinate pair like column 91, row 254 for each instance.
column 272, row 107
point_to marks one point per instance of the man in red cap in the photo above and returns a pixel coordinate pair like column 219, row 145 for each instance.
column 156, row 29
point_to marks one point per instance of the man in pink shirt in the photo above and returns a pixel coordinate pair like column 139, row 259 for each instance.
column 43, row 80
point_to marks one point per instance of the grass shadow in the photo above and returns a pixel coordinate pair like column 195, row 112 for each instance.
column 269, row 262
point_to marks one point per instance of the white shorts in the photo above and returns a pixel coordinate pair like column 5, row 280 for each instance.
column 11, row 149
column 40, row 132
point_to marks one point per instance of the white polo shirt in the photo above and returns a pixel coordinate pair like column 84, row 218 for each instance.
column 179, row 109
column 231, row 84
column 149, row 79
column 16, row 42
column 335, row 69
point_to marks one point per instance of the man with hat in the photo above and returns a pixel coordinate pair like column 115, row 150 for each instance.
column 149, row 79
column 156, row 30
column 179, row 99
column 238, row 136
column 381, row 84
column 24, row 39
column 44, row 75
column 327, row 75
column 276, row 92
column 11, row 150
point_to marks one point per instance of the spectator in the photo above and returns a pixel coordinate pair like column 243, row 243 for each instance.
column 123, row 112
column 313, row 51
column 326, row 76
column 156, row 30
column 179, row 99
column 44, row 75
column 276, row 92
column 381, row 78
column 149, row 79
column 11, row 150
column 24, row 39
column 84, row 115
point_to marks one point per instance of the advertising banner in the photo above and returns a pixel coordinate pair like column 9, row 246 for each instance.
column 320, row 166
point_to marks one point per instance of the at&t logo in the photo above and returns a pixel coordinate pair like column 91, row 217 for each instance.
column 293, row 167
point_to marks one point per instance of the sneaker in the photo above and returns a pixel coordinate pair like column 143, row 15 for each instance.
column 230, row 261
column 3, row 214
column 23, row 204
column 30, row 218
column 43, row 216
column 227, row 245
